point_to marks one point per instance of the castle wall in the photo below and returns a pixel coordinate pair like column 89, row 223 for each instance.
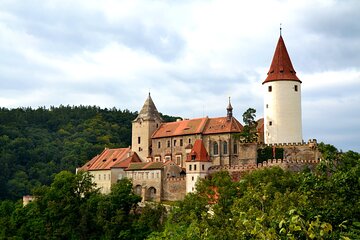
column 147, row 180
column 174, row 189
column 102, row 178
column 172, row 148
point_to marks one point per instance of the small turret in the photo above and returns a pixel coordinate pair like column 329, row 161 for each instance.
column 229, row 111
column 197, row 165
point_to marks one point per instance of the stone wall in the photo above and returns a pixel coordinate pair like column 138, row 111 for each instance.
column 174, row 189
column 237, row 171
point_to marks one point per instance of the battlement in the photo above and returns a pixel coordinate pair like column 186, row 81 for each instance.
column 310, row 143
column 293, row 165
column 175, row 179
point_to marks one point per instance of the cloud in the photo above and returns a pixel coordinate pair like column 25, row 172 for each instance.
column 191, row 55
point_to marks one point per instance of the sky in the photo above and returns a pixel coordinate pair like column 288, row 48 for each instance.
column 191, row 55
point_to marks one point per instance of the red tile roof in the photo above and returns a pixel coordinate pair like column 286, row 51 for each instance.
column 281, row 67
column 198, row 126
column 222, row 125
column 117, row 157
column 198, row 153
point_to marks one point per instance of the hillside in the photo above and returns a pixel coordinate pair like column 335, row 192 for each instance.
column 37, row 143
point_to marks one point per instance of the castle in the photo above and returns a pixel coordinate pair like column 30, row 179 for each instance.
column 167, row 158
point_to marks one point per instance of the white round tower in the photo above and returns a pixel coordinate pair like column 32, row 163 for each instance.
column 282, row 100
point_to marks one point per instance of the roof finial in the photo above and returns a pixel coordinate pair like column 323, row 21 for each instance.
column 280, row 29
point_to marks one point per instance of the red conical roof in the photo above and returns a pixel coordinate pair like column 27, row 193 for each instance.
column 281, row 67
column 198, row 152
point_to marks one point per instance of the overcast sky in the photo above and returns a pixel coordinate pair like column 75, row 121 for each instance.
column 191, row 55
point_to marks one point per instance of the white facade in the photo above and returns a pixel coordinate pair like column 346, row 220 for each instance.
column 282, row 112
column 195, row 171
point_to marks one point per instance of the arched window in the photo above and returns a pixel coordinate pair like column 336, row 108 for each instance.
column 215, row 148
column 138, row 190
column 225, row 148
column 151, row 193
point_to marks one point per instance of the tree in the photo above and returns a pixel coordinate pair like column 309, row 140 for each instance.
column 249, row 131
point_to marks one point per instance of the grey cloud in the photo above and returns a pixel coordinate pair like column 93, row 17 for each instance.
column 71, row 30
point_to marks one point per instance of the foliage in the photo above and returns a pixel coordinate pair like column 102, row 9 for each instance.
column 273, row 204
column 249, row 132
column 72, row 208
column 35, row 144
column 263, row 154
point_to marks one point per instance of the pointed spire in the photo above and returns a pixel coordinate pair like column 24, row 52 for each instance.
column 281, row 67
column 149, row 111
column 229, row 111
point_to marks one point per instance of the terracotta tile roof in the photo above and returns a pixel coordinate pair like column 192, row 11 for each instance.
column 198, row 153
column 222, row 125
column 134, row 158
column 198, row 126
column 145, row 166
column 184, row 127
column 281, row 67
column 116, row 157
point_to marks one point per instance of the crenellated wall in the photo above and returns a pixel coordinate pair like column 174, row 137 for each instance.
column 292, row 165
column 174, row 189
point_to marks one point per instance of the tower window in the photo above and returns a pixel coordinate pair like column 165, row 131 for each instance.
column 194, row 167
column 190, row 167
column 296, row 88
column 270, row 88
column 139, row 140
column 267, row 105
column 189, row 140
column 168, row 143
column 174, row 143
column 159, row 144
column 181, row 142
column 270, row 123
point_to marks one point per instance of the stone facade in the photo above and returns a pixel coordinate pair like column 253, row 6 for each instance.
column 157, row 181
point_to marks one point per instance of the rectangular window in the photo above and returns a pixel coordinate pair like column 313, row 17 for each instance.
column 194, row 167
column 181, row 142
column 174, row 142
column 178, row 160
column 267, row 105
column 203, row 167
column 296, row 88
column 235, row 147
column 168, row 143
column 189, row 140
column 270, row 123
column 270, row 88
column 139, row 140
column 190, row 167
column 159, row 144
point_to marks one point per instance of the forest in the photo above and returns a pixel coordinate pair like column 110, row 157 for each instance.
column 35, row 144
column 265, row 204
column 40, row 149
